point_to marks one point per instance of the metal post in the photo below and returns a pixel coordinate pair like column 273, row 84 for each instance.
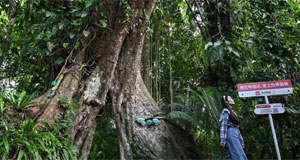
column 273, row 132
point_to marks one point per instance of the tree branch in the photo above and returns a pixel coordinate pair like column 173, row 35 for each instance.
column 195, row 19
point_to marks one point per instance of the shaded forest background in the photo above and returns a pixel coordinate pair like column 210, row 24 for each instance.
column 194, row 52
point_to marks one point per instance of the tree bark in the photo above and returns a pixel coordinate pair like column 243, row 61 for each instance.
column 114, row 78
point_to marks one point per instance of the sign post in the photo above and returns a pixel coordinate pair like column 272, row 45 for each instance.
column 265, row 89
column 273, row 132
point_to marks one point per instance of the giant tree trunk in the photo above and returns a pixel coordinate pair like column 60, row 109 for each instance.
column 114, row 77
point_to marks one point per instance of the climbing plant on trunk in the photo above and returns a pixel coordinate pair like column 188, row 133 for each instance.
column 94, row 57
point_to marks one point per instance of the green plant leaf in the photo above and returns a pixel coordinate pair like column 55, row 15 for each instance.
column 6, row 144
column 50, row 46
column 84, row 14
column 60, row 26
column 86, row 33
column 77, row 45
column 236, row 53
column 182, row 116
column 229, row 49
column 65, row 154
column 72, row 35
column 59, row 60
column 20, row 155
column 88, row 3
column 4, row 156
column 48, row 14
column 207, row 45
column 2, row 106
column 103, row 22
column 218, row 43
column 65, row 45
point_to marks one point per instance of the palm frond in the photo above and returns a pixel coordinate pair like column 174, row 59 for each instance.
column 178, row 105
column 209, row 103
column 292, row 110
column 178, row 115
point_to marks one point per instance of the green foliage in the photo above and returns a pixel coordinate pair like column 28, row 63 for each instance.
column 3, row 108
column 202, row 109
column 72, row 106
column 262, row 44
column 183, row 56
column 38, row 31
column 137, row 152
column 18, row 101
column 178, row 115
column 104, row 147
column 198, row 103
column 105, row 142
column 27, row 142
column 209, row 102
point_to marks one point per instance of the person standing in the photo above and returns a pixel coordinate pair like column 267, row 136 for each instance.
column 229, row 131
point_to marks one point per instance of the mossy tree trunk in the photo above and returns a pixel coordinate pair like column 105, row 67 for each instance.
column 106, row 70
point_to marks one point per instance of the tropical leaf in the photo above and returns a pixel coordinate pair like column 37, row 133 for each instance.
column 209, row 103
column 20, row 155
column 178, row 105
column 19, row 101
column 292, row 110
column 28, row 125
column 178, row 115
column 2, row 105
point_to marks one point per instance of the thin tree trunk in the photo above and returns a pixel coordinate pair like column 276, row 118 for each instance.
column 151, row 65
column 170, row 66
column 157, row 66
column 159, row 75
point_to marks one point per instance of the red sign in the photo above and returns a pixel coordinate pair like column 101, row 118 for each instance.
column 263, row 109
column 265, row 88
column 263, row 106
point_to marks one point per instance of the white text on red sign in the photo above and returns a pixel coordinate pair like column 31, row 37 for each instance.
column 269, row 88
column 264, row 85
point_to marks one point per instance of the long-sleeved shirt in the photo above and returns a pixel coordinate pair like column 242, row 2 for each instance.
column 225, row 124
